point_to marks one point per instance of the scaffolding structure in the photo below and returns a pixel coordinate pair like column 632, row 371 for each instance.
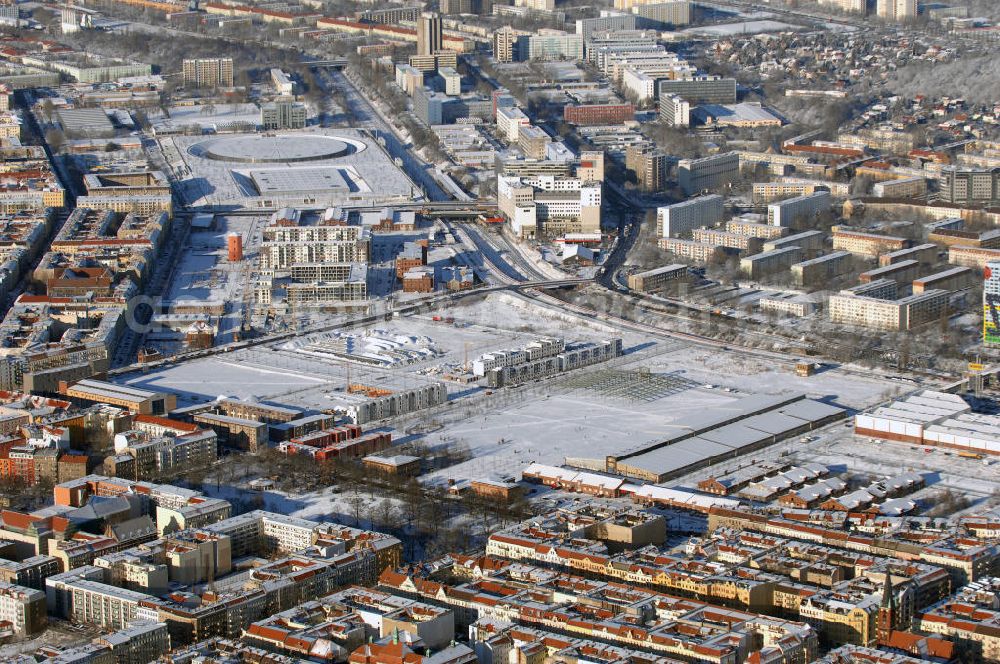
column 631, row 385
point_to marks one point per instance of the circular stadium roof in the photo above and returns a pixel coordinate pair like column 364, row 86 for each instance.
column 272, row 149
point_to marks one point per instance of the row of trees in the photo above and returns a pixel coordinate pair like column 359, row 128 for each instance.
column 380, row 89
column 428, row 518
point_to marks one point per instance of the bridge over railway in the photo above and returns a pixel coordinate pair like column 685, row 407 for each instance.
column 452, row 209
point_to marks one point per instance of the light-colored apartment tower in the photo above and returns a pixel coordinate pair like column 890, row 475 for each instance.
column 429, row 34
column 713, row 172
column 675, row 110
column 208, row 72
column 503, row 44
column 680, row 218
column 855, row 6
column 896, row 10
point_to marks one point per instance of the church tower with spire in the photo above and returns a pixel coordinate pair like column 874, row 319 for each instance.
column 886, row 623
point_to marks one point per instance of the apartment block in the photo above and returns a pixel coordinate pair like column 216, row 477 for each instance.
column 881, row 138
column 969, row 187
column 648, row 165
column 991, row 303
column 699, row 252
column 974, row 257
column 608, row 21
column 142, row 457
column 820, row 270
column 742, row 243
column 452, row 81
column 952, row 279
column 681, row 218
column 661, row 15
column 30, row 572
column 769, row 192
column 755, row 229
column 798, row 211
column 810, row 242
column 319, row 294
column 907, row 313
column 570, row 358
column 900, row 272
column 657, row 278
column 285, row 245
column 23, row 609
column 140, row 642
column 708, row 173
column 409, row 79
column 396, row 404
column 675, row 110
column 208, row 72
column 770, row 262
column 853, row 6
column 790, row 306
column 503, row 44
column 83, row 596
column 925, row 254
column 866, row 244
column 896, row 10
column 911, row 187
column 988, row 239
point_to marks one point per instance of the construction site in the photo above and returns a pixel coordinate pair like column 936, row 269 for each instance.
column 209, row 289
column 380, row 347
column 660, row 388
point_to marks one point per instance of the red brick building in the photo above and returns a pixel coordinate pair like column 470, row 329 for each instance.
column 355, row 448
column 345, row 442
column 419, row 280
column 414, row 254
column 494, row 490
column 598, row 114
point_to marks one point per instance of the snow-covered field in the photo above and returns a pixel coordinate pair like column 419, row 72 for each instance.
column 748, row 374
column 742, row 28
column 549, row 427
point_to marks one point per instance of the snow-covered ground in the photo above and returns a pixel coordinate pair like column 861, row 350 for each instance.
column 748, row 374
column 547, row 427
column 742, row 28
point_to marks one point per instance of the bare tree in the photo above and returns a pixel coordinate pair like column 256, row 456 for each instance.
column 356, row 501
column 56, row 139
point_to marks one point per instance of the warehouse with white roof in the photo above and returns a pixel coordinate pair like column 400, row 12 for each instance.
column 932, row 418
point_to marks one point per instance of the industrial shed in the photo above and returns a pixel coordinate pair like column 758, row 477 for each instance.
column 932, row 418
column 738, row 428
